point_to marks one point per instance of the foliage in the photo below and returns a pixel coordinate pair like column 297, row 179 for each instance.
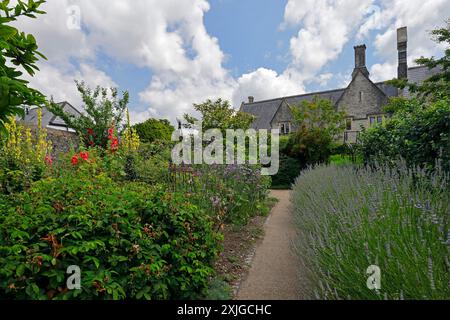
column 437, row 86
column 419, row 129
column 129, row 240
column 219, row 115
column 23, row 155
column 152, row 130
column 101, row 112
column 289, row 170
column 21, row 50
column 231, row 193
column 417, row 132
column 350, row 218
column 318, row 126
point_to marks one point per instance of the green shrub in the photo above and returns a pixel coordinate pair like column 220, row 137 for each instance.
column 129, row 240
column 287, row 172
column 350, row 218
column 418, row 133
column 230, row 193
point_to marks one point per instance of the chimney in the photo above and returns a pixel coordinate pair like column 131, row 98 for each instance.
column 251, row 99
column 360, row 60
column 402, row 40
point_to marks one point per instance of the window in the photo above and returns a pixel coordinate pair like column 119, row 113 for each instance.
column 361, row 95
column 285, row 127
column 376, row 119
column 348, row 124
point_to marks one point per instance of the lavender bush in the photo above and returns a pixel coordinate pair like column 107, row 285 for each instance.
column 351, row 217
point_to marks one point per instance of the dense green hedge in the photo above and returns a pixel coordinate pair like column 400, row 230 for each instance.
column 350, row 218
column 289, row 170
column 130, row 241
column 417, row 132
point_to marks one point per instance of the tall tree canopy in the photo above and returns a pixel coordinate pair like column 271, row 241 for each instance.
column 154, row 129
column 219, row 114
column 17, row 50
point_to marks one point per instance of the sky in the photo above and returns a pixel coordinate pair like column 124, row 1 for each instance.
column 169, row 54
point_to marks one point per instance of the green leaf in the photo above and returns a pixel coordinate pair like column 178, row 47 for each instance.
column 7, row 32
column 20, row 270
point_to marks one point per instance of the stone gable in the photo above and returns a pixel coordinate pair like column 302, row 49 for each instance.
column 361, row 98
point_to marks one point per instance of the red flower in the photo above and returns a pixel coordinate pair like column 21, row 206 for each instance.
column 90, row 131
column 110, row 133
column 48, row 160
column 114, row 144
column 84, row 155
column 75, row 160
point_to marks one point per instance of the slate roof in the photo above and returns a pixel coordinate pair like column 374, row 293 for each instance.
column 265, row 110
column 48, row 118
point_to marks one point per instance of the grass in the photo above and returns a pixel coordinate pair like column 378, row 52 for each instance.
column 351, row 217
column 339, row 160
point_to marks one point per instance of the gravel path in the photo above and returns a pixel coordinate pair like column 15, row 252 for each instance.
column 273, row 274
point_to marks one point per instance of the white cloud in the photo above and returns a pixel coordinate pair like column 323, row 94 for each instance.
column 265, row 84
column 383, row 71
column 419, row 16
column 187, row 64
column 60, row 85
column 325, row 27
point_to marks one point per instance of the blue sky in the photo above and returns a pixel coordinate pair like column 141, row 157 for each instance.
column 170, row 54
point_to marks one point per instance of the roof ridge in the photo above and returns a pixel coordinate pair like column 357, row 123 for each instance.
column 293, row 96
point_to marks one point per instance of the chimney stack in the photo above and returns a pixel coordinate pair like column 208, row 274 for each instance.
column 360, row 60
column 251, row 99
column 402, row 40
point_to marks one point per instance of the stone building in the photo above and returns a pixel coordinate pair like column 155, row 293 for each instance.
column 362, row 99
column 58, row 132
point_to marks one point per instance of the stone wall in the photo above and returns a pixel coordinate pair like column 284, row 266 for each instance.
column 371, row 102
column 61, row 140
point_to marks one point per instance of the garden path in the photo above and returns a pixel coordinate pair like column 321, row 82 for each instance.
column 273, row 274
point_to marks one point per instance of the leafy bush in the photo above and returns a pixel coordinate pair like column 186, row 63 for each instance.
column 152, row 130
column 417, row 132
column 23, row 156
column 289, row 170
column 350, row 218
column 130, row 241
column 230, row 193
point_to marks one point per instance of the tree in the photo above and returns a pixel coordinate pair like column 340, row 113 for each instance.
column 154, row 129
column 319, row 124
column 101, row 112
column 20, row 50
column 437, row 86
column 219, row 114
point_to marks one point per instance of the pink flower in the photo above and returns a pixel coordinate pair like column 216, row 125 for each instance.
column 48, row 160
